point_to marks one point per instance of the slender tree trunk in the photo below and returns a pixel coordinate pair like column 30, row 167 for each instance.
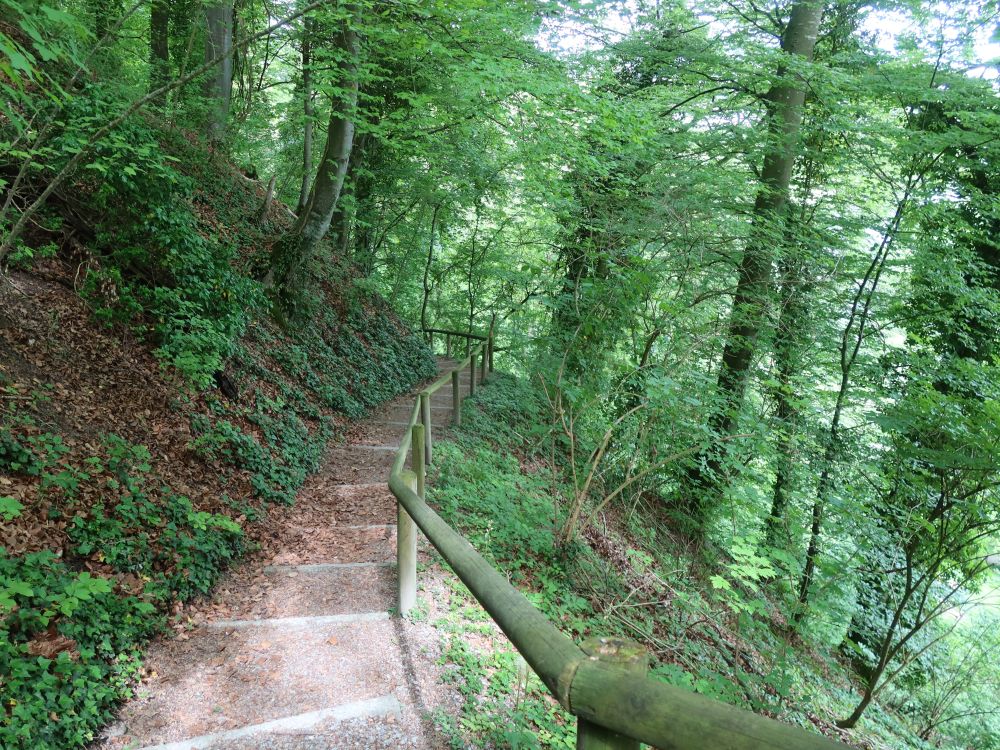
column 101, row 11
column 850, row 344
column 293, row 254
column 347, row 206
column 265, row 208
column 818, row 511
column 786, row 354
column 159, row 45
column 219, row 84
column 363, row 246
column 748, row 315
column 427, row 269
column 307, row 110
column 886, row 651
column 105, row 15
column 851, row 720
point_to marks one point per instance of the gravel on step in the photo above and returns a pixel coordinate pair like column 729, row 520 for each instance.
column 290, row 593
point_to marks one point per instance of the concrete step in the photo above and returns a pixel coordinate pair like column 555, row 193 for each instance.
column 297, row 732
column 371, row 733
column 379, row 433
column 336, row 544
column 357, row 465
column 310, row 621
column 339, row 589
column 225, row 680
column 371, row 503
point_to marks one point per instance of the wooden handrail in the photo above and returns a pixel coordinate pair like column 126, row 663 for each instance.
column 460, row 334
column 603, row 696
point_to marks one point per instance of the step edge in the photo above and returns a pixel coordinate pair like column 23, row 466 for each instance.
column 383, row 705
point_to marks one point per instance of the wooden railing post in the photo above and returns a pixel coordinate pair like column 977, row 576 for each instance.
column 425, row 419
column 472, row 373
column 406, row 551
column 419, row 467
column 456, row 399
column 489, row 343
column 447, row 345
column 627, row 655
column 430, row 340
column 483, row 362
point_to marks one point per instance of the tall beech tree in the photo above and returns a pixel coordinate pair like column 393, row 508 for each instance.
column 219, row 21
column 159, row 43
column 748, row 317
column 294, row 252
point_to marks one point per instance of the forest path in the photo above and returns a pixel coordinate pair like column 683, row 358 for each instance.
column 298, row 647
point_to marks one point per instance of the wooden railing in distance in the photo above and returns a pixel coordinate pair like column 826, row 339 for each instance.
column 602, row 682
column 449, row 336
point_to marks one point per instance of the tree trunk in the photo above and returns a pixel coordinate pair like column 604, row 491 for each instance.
column 265, row 208
column 816, row 527
column 754, row 279
column 786, row 354
column 307, row 111
column 886, row 650
column 427, row 270
column 364, row 244
column 851, row 720
column 347, row 207
column 101, row 11
column 857, row 323
column 219, row 83
column 293, row 254
column 159, row 45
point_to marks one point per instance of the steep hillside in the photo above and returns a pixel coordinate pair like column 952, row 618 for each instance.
column 153, row 417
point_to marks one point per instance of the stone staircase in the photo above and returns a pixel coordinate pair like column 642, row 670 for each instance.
column 298, row 648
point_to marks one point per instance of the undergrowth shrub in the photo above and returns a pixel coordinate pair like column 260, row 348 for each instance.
column 68, row 651
column 69, row 640
column 156, row 270
column 345, row 366
column 494, row 487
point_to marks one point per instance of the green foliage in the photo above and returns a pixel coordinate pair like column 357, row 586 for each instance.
column 46, row 40
column 511, row 515
column 68, row 651
column 157, row 272
column 138, row 527
column 710, row 631
column 607, row 186
column 504, row 703
column 345, row 366
column 10, row 508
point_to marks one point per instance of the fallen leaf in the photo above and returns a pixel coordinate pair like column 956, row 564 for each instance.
column 51, row 643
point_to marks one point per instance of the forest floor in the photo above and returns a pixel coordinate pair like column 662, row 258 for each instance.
column 297, row 647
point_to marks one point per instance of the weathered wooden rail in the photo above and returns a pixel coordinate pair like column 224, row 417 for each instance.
column 602, row 682
column 449, row 336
